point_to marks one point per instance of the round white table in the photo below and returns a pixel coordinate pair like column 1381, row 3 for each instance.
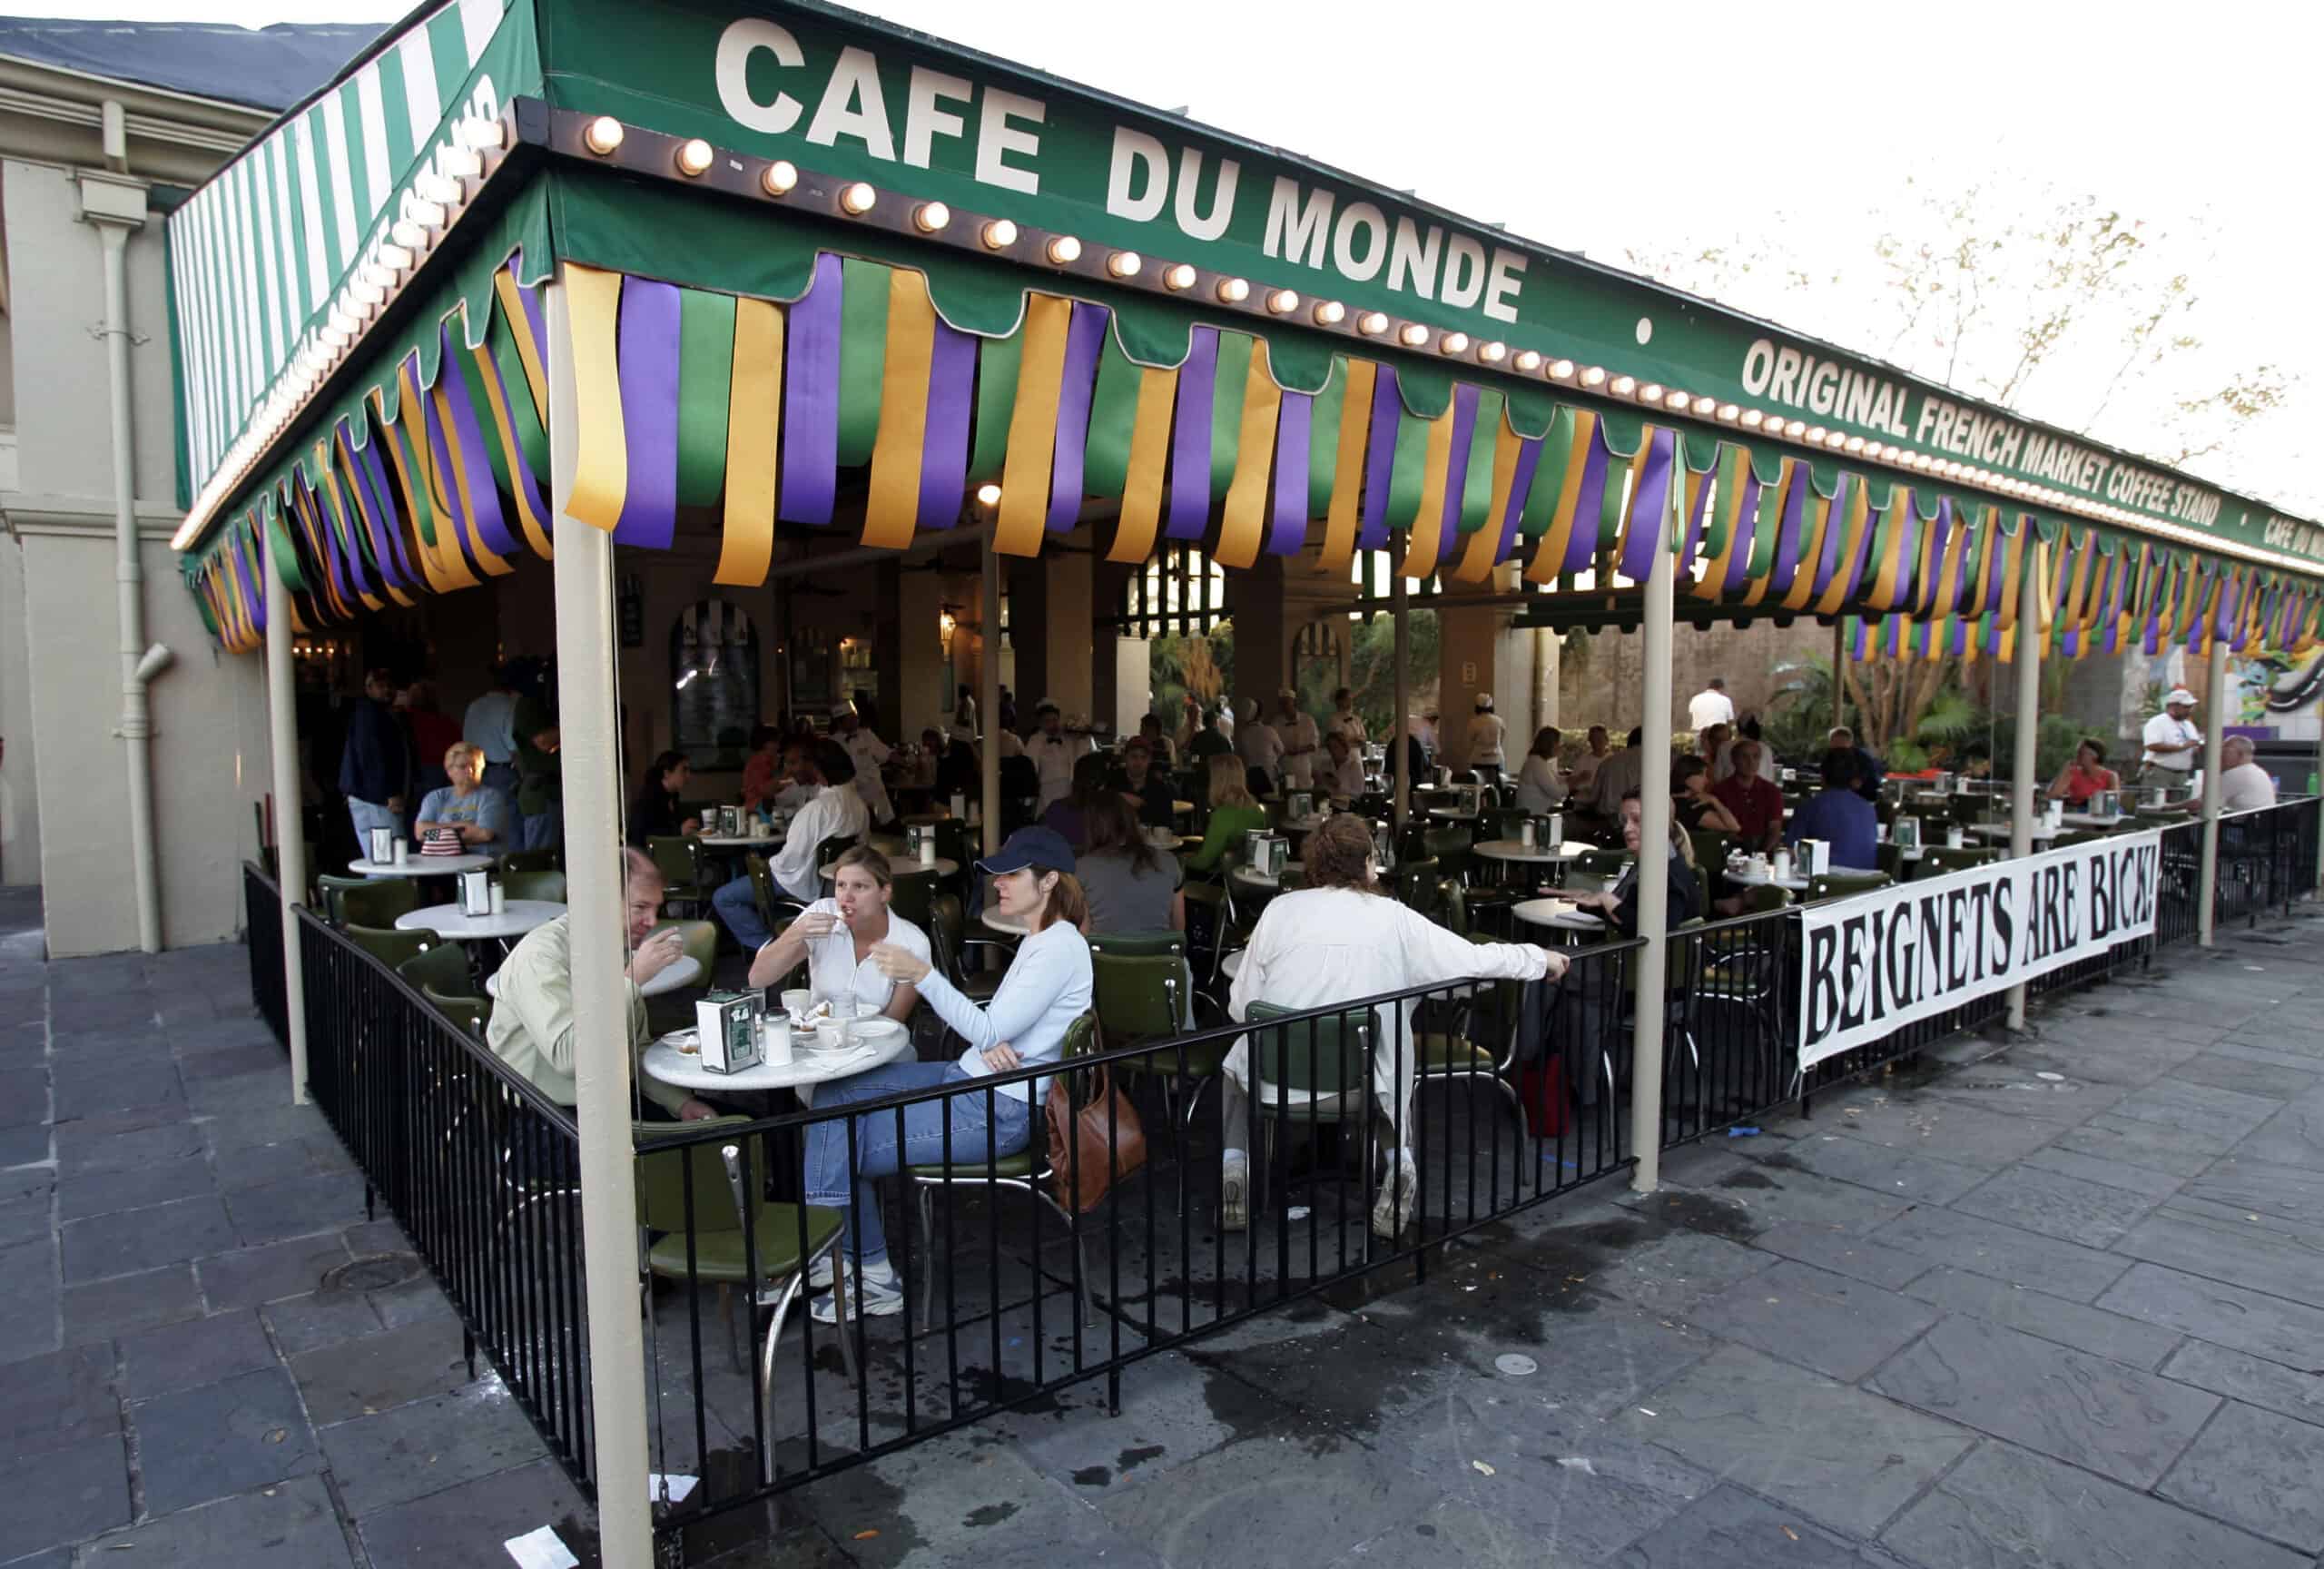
column 1257, row 880
column 995, row 921
column 905, row 865
column 808, row 1067
column 739, row 841
column 675, row 976
column 1232, row 965
column 1532, row 855
column 1452, row 815
column 1749, row 879
column 1557, row 912
column 2041, row 832
column 447, row 919
column 422, row 865
column 2088, row 820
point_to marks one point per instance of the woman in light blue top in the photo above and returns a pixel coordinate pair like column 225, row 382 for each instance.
column 1047, row 988
column 469, row 807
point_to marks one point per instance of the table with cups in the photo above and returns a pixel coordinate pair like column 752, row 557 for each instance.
column 510, row 919
column 410, row 865
column 795, row 1054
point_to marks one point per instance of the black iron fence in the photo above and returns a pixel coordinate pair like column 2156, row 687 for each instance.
column 1360, row 1138
column 2266, row 858
column 262, row 927
column 475, row 1166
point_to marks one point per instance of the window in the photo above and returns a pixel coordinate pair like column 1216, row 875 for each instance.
column 715, row 682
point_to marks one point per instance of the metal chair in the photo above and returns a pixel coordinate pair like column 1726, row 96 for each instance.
column 367, row 901
column 681, row 863
column 546, row 885
column 549, row 860
column 1026, row 1170
column 947, row 936
column 467, row 1012
column 442, row 965
column 1939, row 859
column 675, row 1010
column 1843, row 885
column 391, row 946
column 1445, row 1055
column 1311, row 1072
column 1143, row 998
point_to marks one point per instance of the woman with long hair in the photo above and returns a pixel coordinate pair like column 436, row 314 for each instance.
column 1130, row 887
column 1093, row 781
column 1045, row 989
column 656, row 811
column 1232, row 812
column 1540, row 787
column 836, row 936
column 1340, row 939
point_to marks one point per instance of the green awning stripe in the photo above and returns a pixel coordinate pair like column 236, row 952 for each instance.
column 706, row 377
column 862, row 360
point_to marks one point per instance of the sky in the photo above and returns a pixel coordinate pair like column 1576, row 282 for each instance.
column 1797, row 133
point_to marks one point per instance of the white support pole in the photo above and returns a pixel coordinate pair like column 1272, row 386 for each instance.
column 1839, row 664
column 591, row 761
column 289, row 814
column 1653, row 881
column 2025, row 758
column 2214, row 739
column 988, row 697
column 135, row 726
column 1399, row 748
column 2318, row 806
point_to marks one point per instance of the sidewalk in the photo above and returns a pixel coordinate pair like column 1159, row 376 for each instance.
column 2058, row 1303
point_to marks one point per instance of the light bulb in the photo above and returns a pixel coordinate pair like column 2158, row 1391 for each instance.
column 1453, row 344
column 1372, row 323
column 1595, row 375
column 1064, row 251
column 1125, row 263
column 1413, row 335
column 856, row 200
column 1624, row 386
column 988, row 494
column 778, row 178
column 1178, row 277
column 999, row 234
column 1233, row 290
column 693, row 157
column 930, row 217
column 603, row 135
column 1527, row 360
column 1330, row 312
column 1494, row 353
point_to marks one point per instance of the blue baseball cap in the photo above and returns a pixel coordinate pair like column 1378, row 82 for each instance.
column 1034, row 846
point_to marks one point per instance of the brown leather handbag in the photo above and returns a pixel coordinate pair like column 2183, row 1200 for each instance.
column 1093, row 1145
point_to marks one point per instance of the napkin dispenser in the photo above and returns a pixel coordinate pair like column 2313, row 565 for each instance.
column 475, row 892
column 2157, row 793
column 1815, row 857
column 382, row 846
column 727, row 1023
column 1943, row 785
column 2106, row 803
column 2053, row 813
column 1906, row 832
column 1268, row 852
column 1301, row 807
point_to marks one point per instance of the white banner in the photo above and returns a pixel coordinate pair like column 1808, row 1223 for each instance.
column 1878, row 961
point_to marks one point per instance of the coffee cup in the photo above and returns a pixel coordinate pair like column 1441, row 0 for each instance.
column 831, row 1035
column 797, row 1001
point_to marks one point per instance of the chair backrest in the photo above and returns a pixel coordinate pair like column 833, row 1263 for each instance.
column 443, row 966
column 832, row 848
column 1843, row 885
column 699, row 940
column 1139, row 944
column 1138, row 995
column 661, row 1178
column 1762, row 897
column 675, row 857
column 467, row 1012
column 957, row 840
column 1330, row 1055
column 389, row 946
column 1416, row 884
column 1711, row 846
column 367, row 901
column 913, row 896
column 1937, row 860
column 1455, row 900
column 549, row 860
column 763, row 889
column 542, row 885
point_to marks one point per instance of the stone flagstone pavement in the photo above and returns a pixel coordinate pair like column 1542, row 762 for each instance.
column 2058, row 1302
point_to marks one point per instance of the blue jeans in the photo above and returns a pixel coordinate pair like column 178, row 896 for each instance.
column 878, row 1153
column 369, row 816
column 501, row 777
column 545, row 831
column 737, row 905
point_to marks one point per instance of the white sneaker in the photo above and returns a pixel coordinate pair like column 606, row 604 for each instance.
column 1234, row 1193
column 882, row 1293
column 819, row 1274
column 1391, row 1211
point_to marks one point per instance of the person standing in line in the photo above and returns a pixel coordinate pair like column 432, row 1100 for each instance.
column 375, row 770
column 1054, row 754
column 1870, row 772
column 1710, row 706
column 1302, row 744
column 1488, row 740
column 489, row 724
column 1345, row 721
column 433, row 734
column 964, row 714
column 540, row 780
column 869, row 752
column 2173, row 741
column 1261, row 749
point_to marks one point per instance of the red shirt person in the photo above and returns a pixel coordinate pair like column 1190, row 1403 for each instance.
column 1757, row 804
column 2085, row 776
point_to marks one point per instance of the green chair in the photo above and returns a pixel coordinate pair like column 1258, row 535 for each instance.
column 367, row 901
column 544, row 884
column 1456, row 1052
column 763, row 892
column 832, row 848
column 681, row 864
column 1938, row 859
column 549, row 860
column 391, row 946
column 1602, row 868
column 467, row 1012
column 947, row 936
column 1416, row 884
column 1312, row 1073
column 1764, row 898
column 1843, row 885
column 782, row 1241
column 1026, row 1172
column 1891, row 861
column 913, row 896
column 1145, row 998
column 675, row 1010
column 1450, row 848
column 1138, row 943
column 1711, row 845
column 444, row 967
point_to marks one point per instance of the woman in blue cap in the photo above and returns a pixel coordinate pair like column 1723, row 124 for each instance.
column 1047, row 988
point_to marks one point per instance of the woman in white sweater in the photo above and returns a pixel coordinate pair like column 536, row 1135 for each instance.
column 1339, row 940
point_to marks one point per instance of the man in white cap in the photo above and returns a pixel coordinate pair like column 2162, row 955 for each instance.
column 1302, row 742
column 2173, row 741
column 1488, row 734
column 1054, row 754
column 869, row 752
column 1259, row 747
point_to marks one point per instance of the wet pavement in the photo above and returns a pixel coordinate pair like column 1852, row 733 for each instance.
column 2057, row 1302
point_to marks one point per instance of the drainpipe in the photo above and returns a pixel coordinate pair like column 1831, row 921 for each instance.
column 2214, row 742
column 116, row 206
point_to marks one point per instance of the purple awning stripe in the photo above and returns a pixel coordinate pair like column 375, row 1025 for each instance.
column 1649, row 506
column 1582, row 544
column 648, row 349
column 484, row 496
column 1705, row 495
column 1294, row 421
column 2071, row 644
column 1085, row 338
column 1739, row 553
column 1857, row 556
column 1456, row 471
column 520, row 468
column 1379, row 460
column 375, row 475
column 1835, row 525
column 951, row 396
column 1521, row 487
column 366, row 504
column 342, row 528
column 1794, row 509
column 1190, row 439
column 811, row 399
